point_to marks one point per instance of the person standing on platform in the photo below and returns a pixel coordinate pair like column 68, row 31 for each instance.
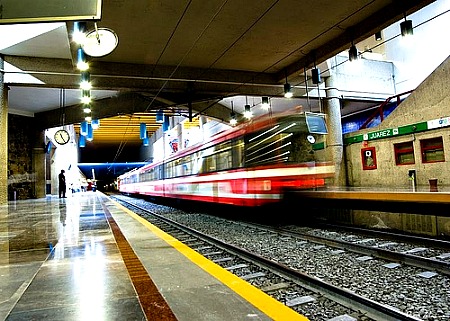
column 62, row 184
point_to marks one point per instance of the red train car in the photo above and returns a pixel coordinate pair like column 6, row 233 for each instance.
column 252, row 164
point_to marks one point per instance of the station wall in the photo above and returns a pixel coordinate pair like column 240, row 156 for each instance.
column 424, row 116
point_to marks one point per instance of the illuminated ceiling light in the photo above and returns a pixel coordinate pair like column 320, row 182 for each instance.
column 160, row 116
column 85, row 83
column 95, row 123
column 81, row 60
column 247, row 112
column 166, row 123
column 87, row 109
column 265, row 102
column 79, row 29
column 86, row 97
column 378, row 36
column 353, row 53
column 315, row 74
column 288, row 90
column 82, row 141
column 83, row 128
column 406, row 28
column 233, row 120
column 90, row 134
column 143, row 130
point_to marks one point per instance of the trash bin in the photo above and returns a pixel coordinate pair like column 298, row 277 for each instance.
column 433, row 184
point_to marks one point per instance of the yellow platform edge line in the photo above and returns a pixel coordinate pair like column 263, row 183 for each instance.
column 262, row 301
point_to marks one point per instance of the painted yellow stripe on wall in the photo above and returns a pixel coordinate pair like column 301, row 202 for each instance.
column 265, row 303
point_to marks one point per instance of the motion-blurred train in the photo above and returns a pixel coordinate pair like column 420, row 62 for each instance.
column 252, row 164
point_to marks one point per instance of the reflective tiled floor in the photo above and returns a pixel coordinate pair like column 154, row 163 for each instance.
column 86, row 258
column 59, row 261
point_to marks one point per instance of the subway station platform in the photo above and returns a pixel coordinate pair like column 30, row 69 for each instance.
column 87, row 258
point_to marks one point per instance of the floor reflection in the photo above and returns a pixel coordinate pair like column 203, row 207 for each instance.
column 59, row 261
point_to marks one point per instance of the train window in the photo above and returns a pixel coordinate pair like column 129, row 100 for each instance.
column 432, row 150
column 160, row 172
column 209, row 164
column 197, row 163
column 284, row 142
column 237, row 153
column 223, row 156
column 169, row 170
column 179, row 171
column 186, row 165
column 404, row 153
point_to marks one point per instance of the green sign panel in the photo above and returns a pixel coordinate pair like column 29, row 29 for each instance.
column 386, row 133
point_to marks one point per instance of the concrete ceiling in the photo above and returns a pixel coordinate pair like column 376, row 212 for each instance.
column 177, row 55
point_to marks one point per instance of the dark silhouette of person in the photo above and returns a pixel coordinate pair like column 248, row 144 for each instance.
column 62, row 184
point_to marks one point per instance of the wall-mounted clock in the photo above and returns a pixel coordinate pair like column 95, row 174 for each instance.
column 62, row 136
column 311, row 139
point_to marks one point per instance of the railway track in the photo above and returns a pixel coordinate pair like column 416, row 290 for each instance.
column 428, row 254
column 306, row 293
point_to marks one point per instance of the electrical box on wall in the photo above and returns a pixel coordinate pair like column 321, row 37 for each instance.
column 369, row 158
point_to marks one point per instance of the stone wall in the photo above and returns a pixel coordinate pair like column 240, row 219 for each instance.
column 430, row 101
column 20, row 167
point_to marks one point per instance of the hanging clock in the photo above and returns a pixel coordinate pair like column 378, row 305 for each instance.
column 62, row 136
column 100, row 42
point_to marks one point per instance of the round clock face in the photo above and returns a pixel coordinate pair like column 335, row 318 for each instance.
column 100, row 42
column 311, row 139
column 62, row 136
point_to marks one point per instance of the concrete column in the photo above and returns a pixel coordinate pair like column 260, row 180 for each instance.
column 3, row 138
column 332, row 109
column 39, row 166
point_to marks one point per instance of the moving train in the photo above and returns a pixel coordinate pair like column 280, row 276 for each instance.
column 252, row 164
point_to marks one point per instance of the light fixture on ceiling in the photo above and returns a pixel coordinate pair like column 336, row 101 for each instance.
column 378, row 36
column 166, row 123
column 87, row 109
column 90, row 133
column 143, row 130
column 78, row 34
column 233, row 120
column 86, row 97
column 247, row 111
column 315, row 75
column 95, row 123
column 265, row 102
column 160, row 116
column 82, row 141
column 85, row 83
column 83, row 128
column 353, row 53
column 287, row 90
column 82, row 63
column 406, row 27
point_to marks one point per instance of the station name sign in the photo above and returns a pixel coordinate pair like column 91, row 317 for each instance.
column 381, row 134
column 34, row 11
